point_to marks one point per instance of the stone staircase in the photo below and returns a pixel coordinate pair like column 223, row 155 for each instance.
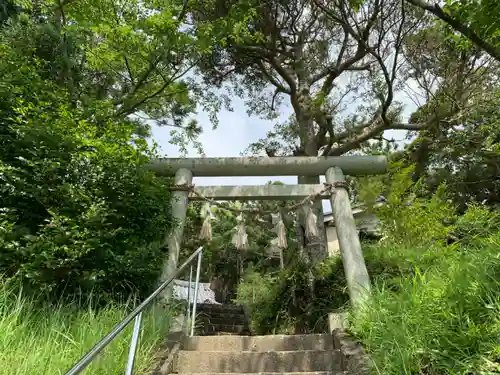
column 277, row 354
column 225, row 346
column 216, row 320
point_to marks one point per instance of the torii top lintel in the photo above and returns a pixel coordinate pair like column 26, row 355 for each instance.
column 355, row 165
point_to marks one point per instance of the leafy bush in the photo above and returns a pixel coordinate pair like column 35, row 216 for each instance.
column 283, row 303
column 435, row 307
column 78, row 214
column 477, row 222
column 409, row 218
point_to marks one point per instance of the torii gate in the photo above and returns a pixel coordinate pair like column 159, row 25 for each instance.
column 334, row 168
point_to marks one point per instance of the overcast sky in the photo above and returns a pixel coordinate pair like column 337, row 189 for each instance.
column 235, row 132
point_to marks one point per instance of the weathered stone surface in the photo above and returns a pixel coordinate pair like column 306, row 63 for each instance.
column 275, row 373
column 264, row 166
column 217, row 320
column 353, row 356
column 205, row 293
column 167, row 356
column 211, row 329
column 225, row 318
column 179, row 207
column 273, row 354
column 337, row 321
column 224, row 308
column 245, row 362
column 260, row 343
column 358, row 281
column 259, row 192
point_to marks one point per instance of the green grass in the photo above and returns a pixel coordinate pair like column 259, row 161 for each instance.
column 48, row 340
column 435, row 308
column 437, row 312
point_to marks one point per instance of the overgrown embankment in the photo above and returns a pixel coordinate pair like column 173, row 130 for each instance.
column 435, row 306
column 49, row 339
column 435, row 309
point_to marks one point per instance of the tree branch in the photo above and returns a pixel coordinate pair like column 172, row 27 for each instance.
column 346, row 65
column 132, row 108
column 125, row 59
column 66, row 2
column 409, row 126
column 354, row 137
column 271, row 79
column 283, row 73
column 459, row 26
column 329, row 129
column 369, row 130
column 271, row 59
column 141, row 79
column 276, row 93
column 362, row 49
column 336, row 71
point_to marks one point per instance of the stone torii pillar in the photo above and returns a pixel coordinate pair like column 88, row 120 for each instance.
column 358, row 281
column 179, row 203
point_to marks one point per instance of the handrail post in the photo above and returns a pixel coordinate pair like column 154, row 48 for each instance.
column 196, row 286
column 133, row 345
column 190, row 286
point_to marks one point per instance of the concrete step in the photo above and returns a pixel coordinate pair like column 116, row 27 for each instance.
column 222, row 333
column 260, row 343
column 222, row 315
column 231, row 309
column 224, row 328
column 252, row 362
column 206, row 319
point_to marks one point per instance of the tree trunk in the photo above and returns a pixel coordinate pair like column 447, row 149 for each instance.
column 316, row 248
column 311, row 250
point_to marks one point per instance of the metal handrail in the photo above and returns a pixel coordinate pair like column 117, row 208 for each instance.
column 137, row 314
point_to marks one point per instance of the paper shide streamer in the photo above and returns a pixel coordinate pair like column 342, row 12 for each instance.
column 280, row 230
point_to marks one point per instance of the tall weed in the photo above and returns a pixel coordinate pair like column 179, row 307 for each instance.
column 444, row 317
column 48, row 340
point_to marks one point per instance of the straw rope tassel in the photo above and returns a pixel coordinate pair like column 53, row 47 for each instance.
column 281, row 229
column 311, row 223
column 206, row 228
column 241, row 237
